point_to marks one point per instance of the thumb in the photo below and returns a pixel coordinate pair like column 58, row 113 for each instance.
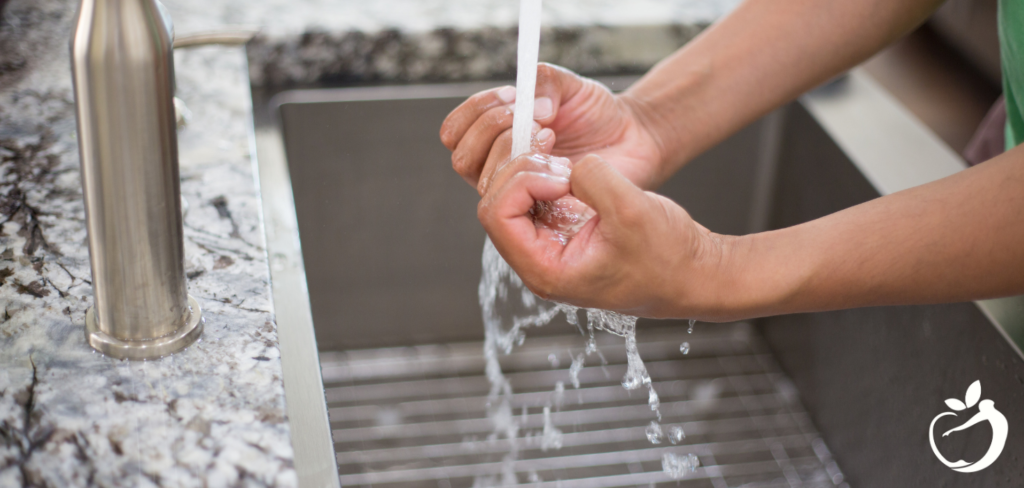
column 556, row 84
column 599, row 185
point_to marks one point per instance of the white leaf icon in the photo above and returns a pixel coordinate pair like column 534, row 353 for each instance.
column 973, row 393
column 956, row 404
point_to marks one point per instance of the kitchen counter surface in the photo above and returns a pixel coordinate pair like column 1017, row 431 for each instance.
column 313, row 41
column 211, row 415
column 214, row 414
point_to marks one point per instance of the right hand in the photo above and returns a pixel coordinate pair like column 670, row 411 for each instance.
column 586, row 116
column 641, row 254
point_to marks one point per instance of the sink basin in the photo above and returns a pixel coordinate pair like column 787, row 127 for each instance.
column 389, row 231
column 389, row 345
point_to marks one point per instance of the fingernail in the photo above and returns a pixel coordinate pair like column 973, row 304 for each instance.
column 542, row 108
column 507, row 94
column 560, row 170
column 545, row 135
column 561, row 166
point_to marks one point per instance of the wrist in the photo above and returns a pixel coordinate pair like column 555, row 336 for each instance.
column 754, row 277
column 669, row 112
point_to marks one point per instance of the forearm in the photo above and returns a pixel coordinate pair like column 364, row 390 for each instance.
column 960, row 238
column 762, row 55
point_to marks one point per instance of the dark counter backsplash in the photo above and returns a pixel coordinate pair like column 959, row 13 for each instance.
column 440, row 55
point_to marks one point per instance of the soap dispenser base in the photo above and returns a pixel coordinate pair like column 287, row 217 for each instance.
column 148, row 349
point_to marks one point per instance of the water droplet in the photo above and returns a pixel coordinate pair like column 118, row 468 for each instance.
column 552, row 436
column 653, row 400
column 654, row 432
column 684, row 348
column 676, row 434
column 690, row 330
column 505, row 329
column 678, row 466
column 558, row 397
column 574, row 370
column 631, row 382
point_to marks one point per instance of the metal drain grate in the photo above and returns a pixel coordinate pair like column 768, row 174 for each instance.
column 416, row 417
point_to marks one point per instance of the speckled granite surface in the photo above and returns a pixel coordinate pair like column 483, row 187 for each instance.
column 214, row 415
column 313, row 41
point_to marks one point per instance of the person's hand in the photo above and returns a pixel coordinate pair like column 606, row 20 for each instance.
column 585, row 115
column 641, row 254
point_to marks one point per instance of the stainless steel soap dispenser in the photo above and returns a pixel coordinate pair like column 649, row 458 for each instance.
column 123, row 71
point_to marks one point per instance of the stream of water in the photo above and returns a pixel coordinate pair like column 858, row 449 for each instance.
column 508, row 307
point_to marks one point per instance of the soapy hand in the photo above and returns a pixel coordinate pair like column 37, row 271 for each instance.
column 640, row 254
column 587, row 117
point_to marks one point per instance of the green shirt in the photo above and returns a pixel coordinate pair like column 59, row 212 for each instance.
column 1011, row 52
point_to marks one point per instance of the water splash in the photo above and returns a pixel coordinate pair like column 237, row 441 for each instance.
column 499, row 283
column 574, row 370
column 678, row 466
column 565, row 217
column 558, row 397
column 552, row 437
column 508, row 308
column 653, row 401
column 653, row 432
column 553, row 359
column 684, row 348
column 676, row 434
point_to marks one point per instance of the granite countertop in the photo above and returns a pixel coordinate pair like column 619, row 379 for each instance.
column 214, row 414
column 312, row 41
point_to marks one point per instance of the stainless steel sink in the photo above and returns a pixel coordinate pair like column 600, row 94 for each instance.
column 390, row 256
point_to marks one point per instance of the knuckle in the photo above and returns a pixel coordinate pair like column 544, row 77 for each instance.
column 448, row 134
column 498, row 118
column 545, row 72
column 483, row 213
column 460, row 163
column 483, row 98
column 549, row 73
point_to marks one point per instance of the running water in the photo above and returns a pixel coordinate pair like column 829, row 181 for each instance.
column 678, row 466
column 653, row 432
column 558, row 397
column 574, row 370
column 508, row 307
column 552, row 437
column 676, row 434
